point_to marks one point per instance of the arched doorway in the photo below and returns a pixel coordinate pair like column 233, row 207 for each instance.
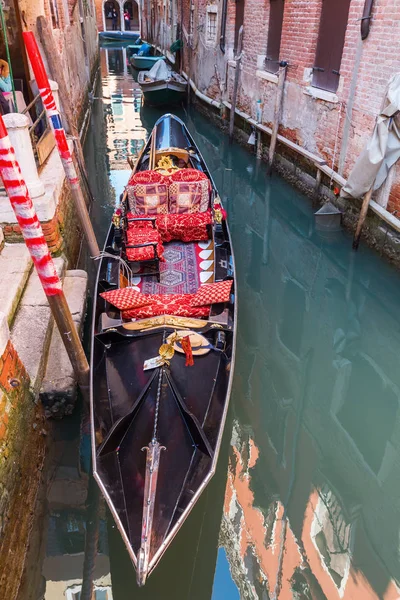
column 132, row 8
column 112, row 16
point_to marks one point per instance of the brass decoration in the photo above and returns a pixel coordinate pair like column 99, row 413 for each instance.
column 218, row 215
column 116, row 219
column 166, row 351
column 165, row 163
column 165, row 321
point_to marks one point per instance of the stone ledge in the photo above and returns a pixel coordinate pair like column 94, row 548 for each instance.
column 4, row 332
column 59, row 390
column 321, row 94
column 271, row 77
column 15, row 266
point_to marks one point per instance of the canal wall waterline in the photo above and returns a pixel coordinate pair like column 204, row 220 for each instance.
column 377, row 233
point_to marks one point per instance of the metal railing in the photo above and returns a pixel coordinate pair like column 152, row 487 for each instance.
column 40, row 132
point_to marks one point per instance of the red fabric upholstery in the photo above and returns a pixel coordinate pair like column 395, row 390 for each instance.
column 212, row 293
column 186, row 227
column 148, row 193
column 140, row 235
column 137, row 222
column 189, row 192
column 124, row 298
column 167, row 304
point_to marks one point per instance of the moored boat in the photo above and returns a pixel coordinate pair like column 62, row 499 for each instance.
column 161, row 85
column 163, row 345
column 145, row 58
column 119, row 35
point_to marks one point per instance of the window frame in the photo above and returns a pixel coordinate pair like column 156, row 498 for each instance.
column 212, row 9
column 332, row 31
column 274, row 39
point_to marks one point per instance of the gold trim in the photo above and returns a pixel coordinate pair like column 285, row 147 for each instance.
column 165, row 321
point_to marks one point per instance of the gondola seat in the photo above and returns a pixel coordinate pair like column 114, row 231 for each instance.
column 148, row 193
column 188, row 192
column 179, row 305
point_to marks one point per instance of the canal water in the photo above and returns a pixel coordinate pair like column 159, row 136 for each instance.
column 306, row 500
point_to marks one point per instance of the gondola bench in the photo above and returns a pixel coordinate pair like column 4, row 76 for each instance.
column 165, row 208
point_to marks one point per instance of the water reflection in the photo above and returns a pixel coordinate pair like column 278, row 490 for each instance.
column 311, row 506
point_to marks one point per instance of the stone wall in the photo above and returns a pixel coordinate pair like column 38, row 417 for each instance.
column 21, row 434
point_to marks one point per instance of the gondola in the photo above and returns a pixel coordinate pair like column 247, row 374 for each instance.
column 161, row 373
column 161, row 85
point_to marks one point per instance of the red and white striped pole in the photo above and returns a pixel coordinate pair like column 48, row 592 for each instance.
column 61, row 140
column 31, row 229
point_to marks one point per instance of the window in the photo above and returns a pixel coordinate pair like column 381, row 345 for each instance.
column 211, row 30
column 54, row 14
column 332, row 31
column 274, row 34
column 100, row 592
column 239, row 18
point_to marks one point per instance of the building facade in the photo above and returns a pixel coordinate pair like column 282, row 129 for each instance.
column 340, row 57
column 66, row 33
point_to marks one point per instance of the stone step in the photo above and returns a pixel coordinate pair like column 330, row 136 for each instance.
column 59, row 391
column 32, row 327
column 15, row 267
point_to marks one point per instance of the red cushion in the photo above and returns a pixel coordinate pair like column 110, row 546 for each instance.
column 186, row 227
column 212, row 293
column 136, row 222
column 125, row 298
column 189, row 175
column 167, row 304
column 136, row 236
column 188, row 197
column 148, row 193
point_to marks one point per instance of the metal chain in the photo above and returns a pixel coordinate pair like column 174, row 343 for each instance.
column 160, row 376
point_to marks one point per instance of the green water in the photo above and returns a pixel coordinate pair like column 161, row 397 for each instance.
column 306, row 502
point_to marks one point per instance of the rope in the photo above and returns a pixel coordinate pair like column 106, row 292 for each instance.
column 3, row 25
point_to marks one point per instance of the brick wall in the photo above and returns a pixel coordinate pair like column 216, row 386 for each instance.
column 21, row 434
column 336, row 126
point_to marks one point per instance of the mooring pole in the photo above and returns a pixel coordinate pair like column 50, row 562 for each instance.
column 61, row 140
column 361, row 218
column 236, row 83
column 277, row 114
column 33, row 235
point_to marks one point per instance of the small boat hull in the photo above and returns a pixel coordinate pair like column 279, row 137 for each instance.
column 119, row 35
column 144, row 63
column 158, row 93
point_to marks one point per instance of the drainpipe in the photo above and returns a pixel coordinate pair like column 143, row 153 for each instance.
column 366, row 18
column 223, row 26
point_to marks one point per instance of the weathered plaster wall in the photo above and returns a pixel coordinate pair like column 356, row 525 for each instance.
column 76, row 42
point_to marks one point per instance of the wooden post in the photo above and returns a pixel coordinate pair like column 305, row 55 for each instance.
column 361, row 219
column 317, row 184
column 57, row 73
column 277, row 115
column 236, row 84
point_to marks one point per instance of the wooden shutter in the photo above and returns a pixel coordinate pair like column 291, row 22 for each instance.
column 332, row 31
column 238, row 20
column 274, row 34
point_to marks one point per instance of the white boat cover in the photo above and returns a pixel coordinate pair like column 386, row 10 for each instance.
column 383, row 148
column 159, row 71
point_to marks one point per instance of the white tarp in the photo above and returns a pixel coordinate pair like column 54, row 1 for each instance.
column 382, row 150
column 159, row 71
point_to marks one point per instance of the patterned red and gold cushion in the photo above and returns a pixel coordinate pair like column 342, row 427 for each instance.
column 148, row 193
column 168, row 304
column 125, row 298
column 212, row 293
column 188, row 197
column 189, row 191
column 186, row 227
column 137, row 223
column 136, row 236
